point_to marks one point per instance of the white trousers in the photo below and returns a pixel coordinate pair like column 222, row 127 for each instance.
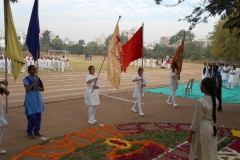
column 172, row 96
column 139, row 103
column 1, row 134
column 225, row 83
column 92, row 112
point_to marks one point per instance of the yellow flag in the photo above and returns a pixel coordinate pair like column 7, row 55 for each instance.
column 13, row 49
column 115, row 59
column 178, row 57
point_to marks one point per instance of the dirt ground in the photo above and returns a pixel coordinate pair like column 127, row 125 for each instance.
column 66, row 112
column 61, row 118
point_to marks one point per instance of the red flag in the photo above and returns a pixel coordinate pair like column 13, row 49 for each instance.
column 133, row 49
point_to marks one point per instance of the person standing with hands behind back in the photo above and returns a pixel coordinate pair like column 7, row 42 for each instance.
column 3, row 121
column 173, row 84
column 138, row 91
column 33, row 102
column 203, row 131
column 92, row 94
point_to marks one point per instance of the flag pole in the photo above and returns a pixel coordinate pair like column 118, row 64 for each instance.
column 142, row 43
column 104, row 58
column 5, row 22
column 142, row 51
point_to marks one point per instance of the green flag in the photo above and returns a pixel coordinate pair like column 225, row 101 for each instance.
column 13, row 49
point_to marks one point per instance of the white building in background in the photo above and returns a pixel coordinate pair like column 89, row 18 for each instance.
column 67, row 41
column 205, row 40
column 2, row 43
column 129, row 33
column 100, row 40
column 2, row 34
column 21, row 37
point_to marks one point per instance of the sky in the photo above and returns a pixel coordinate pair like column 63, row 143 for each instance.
column 87, row 19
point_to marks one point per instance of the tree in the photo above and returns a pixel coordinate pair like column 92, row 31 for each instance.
column 210, row 8
column 24, row 47
column 223, row 43
column 81, row 42
column 45, row 43
column 57, row 44
column 176, row 39
column 45, row 40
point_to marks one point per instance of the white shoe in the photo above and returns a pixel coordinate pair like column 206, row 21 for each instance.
column 141, row 114
column 91, row 122
column 175, row 105
column 169, row 103
column 3, row 152
column 94, row 120
column 134, row 110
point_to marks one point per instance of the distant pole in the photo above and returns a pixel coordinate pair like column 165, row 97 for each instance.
column 6, row 71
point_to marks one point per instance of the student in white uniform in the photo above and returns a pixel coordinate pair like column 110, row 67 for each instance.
column 148, row 62
column 173, row 85
column 67, row 64
column 92, row 94
column 154, row 63
column 231, row 78
column 205, row 71
column 63, row 63
column 1, row 64
column 225, row 75
column 237, row 77
column 3, row 121
column 139, row 90
column 9, row 65
column 59, row 64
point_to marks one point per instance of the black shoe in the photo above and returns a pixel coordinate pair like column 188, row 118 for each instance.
column 31, row 136
column 219, row 109
column 38, row 134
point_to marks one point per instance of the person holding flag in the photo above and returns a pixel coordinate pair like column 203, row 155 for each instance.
column 175, row 73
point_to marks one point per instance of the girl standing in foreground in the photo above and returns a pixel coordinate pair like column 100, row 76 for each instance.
column 203, row 134
column 92, row 94
column 173, row 84
column 138, row 91
column 33, row 102
column 3, row 121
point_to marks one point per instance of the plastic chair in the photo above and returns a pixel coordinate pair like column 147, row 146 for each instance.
column 188, row 87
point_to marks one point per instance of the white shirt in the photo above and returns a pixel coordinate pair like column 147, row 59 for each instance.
column 92, row 95
column 139, row 89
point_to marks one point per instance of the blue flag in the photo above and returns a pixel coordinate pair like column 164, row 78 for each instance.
column 32, row 40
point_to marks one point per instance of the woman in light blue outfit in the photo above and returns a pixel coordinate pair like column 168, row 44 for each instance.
column 33, row 102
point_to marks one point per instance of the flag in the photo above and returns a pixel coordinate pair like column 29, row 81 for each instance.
column 178, row 57
column 115, row 59
column 133, row 49
column 13, row 50
column 32, row 40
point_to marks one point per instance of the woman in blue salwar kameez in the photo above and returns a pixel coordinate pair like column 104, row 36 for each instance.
column 33, row 104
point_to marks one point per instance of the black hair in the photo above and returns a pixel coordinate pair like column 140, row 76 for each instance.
column 210, row 87
column 139, row 69
column 30, row 67
column 90, row 67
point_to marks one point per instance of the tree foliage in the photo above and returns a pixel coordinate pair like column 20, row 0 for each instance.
column 229, row 9
column 176, row 39
column 224, row 43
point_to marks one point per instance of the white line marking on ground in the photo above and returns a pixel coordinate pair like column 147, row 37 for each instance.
column 101, row 124
column 44, row 138
column 120, row 98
